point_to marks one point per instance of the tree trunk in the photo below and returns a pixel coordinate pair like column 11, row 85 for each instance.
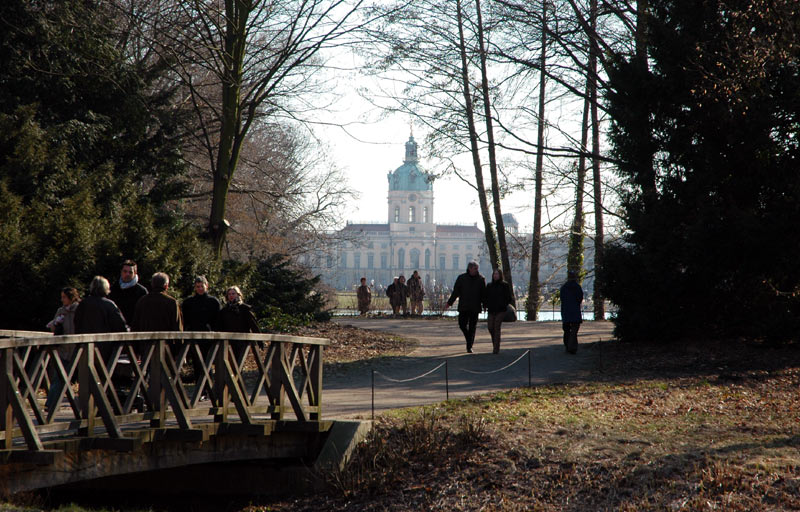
column 487, row 107
column 536, row 245
column 649, row 186
column 576, row 236
column 491, row 241
column 599, row 242
column 230, row 131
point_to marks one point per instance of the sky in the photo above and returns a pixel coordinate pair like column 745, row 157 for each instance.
column 367, row 152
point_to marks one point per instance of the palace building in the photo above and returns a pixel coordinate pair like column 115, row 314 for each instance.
column 409, row 240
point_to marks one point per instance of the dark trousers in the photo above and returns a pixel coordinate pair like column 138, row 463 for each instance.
column 468, row 323
column 571, row 335
column 494, row 321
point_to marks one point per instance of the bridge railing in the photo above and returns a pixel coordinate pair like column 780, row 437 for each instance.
column 102, row 383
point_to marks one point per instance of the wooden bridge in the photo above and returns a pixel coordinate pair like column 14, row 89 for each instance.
column 81, row 407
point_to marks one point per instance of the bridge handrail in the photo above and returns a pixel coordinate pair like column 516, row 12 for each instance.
column 16, row 339
column 81, row 371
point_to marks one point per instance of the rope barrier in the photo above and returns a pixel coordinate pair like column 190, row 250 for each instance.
column 509, row 365
column 446, row 377
column 400, row 381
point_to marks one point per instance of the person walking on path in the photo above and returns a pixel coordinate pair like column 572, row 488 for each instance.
column 470, row 290
column 571, row 318
column 364, row 295
column 499, row 296
column 157, row 311
column 127, row 291
column 416, row 292
column 237, row 316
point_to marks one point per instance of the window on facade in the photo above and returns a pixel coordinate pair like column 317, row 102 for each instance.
column 414, row 255
column 401, row 258
column 384, row 260
column 370, row 260
column 425, row 214
column 455, row 261
column 344, row 260
column 411, row 212
column 397, row 214
column 329, row 261
column 442, row 266
column 427, row 258
column 357, row 260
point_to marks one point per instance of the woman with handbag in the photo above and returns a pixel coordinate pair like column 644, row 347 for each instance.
column 499, row 296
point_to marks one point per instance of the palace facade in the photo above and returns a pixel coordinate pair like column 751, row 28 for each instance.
column 409, row 240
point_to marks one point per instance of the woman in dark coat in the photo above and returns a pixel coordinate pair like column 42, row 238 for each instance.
column 236, row 316
column 498, row 296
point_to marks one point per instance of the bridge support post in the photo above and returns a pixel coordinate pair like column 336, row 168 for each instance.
column 6, row 410
column 220, row 387
column 85, row 396
column 156, row 390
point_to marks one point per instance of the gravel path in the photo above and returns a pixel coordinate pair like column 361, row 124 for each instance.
column 347, row 390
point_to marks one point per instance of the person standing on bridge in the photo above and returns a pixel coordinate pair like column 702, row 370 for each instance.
column 62, row 323
column 200, row 313
column 201, row 310
column 499, row 296
column 237, row 316
column 157, row 311
column 470, row 290
column 571, row 318
column 416, row 292
column 364, row 295
column 96, row 313
column 127, row 292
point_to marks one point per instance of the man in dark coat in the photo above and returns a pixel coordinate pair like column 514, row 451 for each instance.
column 470, row 290
column 96, row 314
column 571, row 318
column 201, row 310
column 200, row 313
column 127, row 292
column 157, row 311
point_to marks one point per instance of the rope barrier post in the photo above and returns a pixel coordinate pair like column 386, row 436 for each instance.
column 529, row 368
column 373, row 395
column 446, row 382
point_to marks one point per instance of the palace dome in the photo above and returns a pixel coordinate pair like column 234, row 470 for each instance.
column 410, row 176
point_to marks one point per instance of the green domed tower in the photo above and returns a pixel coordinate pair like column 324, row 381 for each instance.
column 410, row 194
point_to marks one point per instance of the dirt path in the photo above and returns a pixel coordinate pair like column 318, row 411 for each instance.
column 347, row 391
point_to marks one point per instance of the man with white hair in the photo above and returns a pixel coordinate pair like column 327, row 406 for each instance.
column 157, row 311
column 96, row 313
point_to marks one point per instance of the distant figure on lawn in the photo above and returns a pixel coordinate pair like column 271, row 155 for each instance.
column 470, row 290
column 571, row 318
column 364, row 295
column 416, row 292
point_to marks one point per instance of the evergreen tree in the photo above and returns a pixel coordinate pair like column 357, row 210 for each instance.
column 713, row 250
column 89, row 156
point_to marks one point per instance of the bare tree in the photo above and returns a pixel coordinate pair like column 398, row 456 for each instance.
column 243, row 63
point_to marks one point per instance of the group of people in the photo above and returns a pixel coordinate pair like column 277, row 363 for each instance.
column 400, row 293
column 129, row 306
column 474, row 296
